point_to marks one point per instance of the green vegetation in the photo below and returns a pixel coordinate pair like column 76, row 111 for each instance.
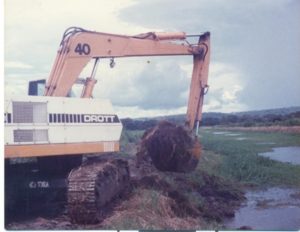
column 149, row 209
column 276, row 117
column 130, row 136
column 204, row 197
column 238, row 160
column 250, row 119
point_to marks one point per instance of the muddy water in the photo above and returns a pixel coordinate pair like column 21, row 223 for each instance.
column 284, row 154
column 273, row 209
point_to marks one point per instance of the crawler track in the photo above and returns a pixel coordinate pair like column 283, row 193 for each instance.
column 92, row 186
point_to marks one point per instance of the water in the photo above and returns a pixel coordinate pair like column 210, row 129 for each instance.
column 284, row 154
column 220, row 132
column 266, row 143
column 273, row 209
column 226, row 133
column 233, row 134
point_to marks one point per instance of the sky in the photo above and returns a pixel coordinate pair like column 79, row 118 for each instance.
column 255, row 57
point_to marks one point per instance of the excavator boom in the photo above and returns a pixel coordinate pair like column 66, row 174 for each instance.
column 59, row 130
column 79, row 46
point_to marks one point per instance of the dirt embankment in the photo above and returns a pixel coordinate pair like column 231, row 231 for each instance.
column 158, row 200
column 181, row 199
column 208, row 197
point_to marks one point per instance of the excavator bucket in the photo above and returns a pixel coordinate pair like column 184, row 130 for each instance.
column 170, row 147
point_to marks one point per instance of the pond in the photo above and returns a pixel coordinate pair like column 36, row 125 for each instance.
column 271, row 209
column 226, row 133
column 284, row 154
column 220, row 132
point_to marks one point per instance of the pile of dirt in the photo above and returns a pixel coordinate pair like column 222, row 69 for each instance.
column 217, row 198
column 149, row 209
column 169, row 147
column 221, row 197
column 160, row 200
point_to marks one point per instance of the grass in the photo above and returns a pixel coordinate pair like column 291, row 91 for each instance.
column 131, row 136
column 238, row 160
column 148, row 209
column 215, row 187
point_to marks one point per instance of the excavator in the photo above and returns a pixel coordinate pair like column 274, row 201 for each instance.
column 57, row 130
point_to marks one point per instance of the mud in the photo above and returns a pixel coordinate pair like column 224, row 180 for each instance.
column 218, row 199
column 170, row 147
column 184, row 201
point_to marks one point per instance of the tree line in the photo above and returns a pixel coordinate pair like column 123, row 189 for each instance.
column 220, row 119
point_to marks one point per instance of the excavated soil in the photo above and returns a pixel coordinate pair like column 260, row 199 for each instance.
column 157, row 200
column 170, row 147
column 218, row 198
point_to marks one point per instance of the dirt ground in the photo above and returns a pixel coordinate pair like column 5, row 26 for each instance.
column 156, row 200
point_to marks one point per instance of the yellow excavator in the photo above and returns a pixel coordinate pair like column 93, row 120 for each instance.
column 57, row 130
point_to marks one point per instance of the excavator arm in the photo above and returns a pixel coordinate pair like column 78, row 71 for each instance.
column 53, row 128
column 78, row 47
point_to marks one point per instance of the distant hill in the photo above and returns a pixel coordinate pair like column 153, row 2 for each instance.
column 278, row 111
column 289, row 116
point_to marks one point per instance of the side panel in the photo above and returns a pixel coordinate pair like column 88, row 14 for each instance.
column 39, row 150
column 41, row 126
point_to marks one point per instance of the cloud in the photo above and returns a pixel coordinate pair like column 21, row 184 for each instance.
column 147, row 83
column 260, row 38
column 226, row 84
column 232, row 95
column 135, row 112
column 254, row 62
column 17, row 65
column 161, row 84
column 33, row 28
